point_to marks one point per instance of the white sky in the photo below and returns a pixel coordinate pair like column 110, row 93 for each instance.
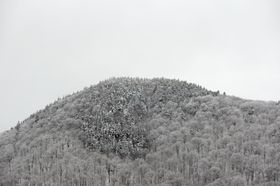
column 50, row 48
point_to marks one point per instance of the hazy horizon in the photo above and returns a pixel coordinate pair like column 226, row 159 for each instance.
column 49, row 49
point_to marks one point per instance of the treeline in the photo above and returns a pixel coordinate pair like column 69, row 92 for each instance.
column 141, row 132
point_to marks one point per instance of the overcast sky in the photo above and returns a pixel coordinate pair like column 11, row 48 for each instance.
column 50, row 48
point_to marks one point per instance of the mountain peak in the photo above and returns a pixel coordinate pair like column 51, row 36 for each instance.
column 133, row 131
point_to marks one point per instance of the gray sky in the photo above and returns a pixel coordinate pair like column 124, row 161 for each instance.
column 50, row 48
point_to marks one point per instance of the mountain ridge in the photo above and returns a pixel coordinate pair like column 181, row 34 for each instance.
column 133, row 131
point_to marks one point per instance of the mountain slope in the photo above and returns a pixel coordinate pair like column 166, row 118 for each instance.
column 128, row 131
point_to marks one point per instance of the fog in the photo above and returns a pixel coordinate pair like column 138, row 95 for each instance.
column 52, row 48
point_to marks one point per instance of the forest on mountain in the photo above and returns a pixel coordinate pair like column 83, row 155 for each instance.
column 145, row 132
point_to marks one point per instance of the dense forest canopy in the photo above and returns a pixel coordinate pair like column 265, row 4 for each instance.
column 152, row 132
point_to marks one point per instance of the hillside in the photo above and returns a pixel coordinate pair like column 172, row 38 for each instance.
column 152, row 132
